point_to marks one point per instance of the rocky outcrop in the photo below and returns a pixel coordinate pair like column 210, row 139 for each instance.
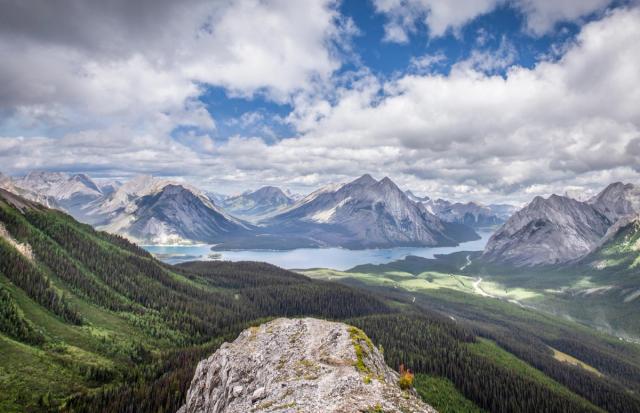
column 299, row 365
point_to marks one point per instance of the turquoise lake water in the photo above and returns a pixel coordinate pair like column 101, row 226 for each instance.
column 335, row 258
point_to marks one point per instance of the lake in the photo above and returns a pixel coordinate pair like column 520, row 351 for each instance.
column 335, row 258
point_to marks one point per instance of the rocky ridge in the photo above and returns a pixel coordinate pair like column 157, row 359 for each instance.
column 299, row 365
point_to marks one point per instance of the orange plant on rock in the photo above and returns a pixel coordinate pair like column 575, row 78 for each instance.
column 406, row 378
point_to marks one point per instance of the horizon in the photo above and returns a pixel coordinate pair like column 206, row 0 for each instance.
column 501, row 101
column 288, row 191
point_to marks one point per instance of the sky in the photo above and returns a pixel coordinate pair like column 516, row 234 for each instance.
column 486, row 100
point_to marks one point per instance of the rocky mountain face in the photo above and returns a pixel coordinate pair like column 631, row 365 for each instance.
column 471, row 214
column 161, row 212
column 548, row 231
column 54, row 189
column 217, row 198
column 299, row 365
column 562, row 229
column 70, row 191
column 256, row 205
column 112, row 206
column 109, row 187
column 367, row 213
column 617, row 200
column 503, row 211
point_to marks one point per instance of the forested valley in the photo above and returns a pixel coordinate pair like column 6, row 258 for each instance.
column 91, row 322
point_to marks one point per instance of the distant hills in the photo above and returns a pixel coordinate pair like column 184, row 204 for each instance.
column 472, row 214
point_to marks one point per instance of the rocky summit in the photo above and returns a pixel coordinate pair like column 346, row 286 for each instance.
column 299, row 365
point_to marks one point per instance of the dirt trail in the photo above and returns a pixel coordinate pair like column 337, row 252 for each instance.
column 479, row 290
column 467, row 264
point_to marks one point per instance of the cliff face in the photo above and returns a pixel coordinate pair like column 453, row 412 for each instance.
column 299, row 365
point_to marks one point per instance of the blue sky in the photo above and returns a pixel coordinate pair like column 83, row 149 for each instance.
column 368, row 49
column 387, row 59
column 491, row 100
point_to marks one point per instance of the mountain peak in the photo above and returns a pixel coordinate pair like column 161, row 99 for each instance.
column 323, row 372
column 365, row 179
column 617, row 200
column 258, row 204
column 387, row 181
column 269, row 190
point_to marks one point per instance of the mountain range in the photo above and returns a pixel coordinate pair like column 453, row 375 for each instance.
column 472, row 214
column 258, row 204
column 108, row 328
column 364, row 213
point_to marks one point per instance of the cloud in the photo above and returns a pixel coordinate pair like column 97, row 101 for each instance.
column 425, row 63
column 442, row 16
column 73, row 62
column 487, row 129
column 438, row 15
column 490, row 61
column 542, row 15
column 530, row 131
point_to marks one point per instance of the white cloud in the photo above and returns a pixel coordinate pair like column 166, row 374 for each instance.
column 425, row 63
column 534, row 130
column 490, row 61
column 441, row 16
column 76, row 62
column 542, row 15
column 438, row 15
column 469, row 134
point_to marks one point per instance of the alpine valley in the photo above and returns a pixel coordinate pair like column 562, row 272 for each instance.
column 546, row 311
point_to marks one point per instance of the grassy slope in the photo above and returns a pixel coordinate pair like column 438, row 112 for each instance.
column 29, row 372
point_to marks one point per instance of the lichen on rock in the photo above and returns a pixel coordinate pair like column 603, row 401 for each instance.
column 299, row 365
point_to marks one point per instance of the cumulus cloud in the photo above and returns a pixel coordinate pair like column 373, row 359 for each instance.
column 441, row 16
column 532, row 130
column 487, row 129
column 122, row 58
